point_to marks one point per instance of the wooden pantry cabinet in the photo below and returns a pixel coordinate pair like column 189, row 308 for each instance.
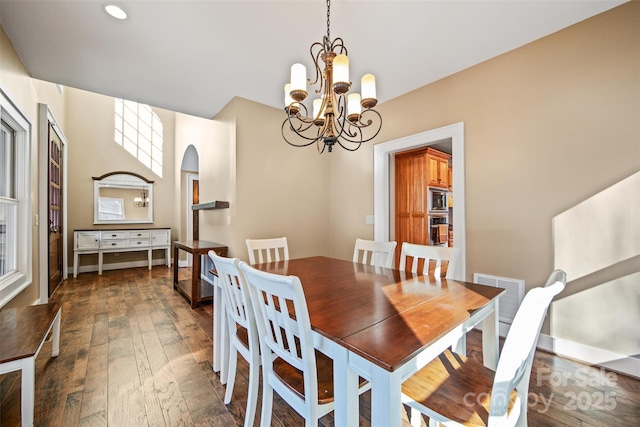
column 438, row 168
column 415, row 172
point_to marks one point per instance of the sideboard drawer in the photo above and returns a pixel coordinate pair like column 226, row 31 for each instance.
column 109, row 244
column 132, row 243
column 138, row 234
column 114, row 235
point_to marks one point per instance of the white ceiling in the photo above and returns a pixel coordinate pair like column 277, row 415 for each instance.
column 194, row 56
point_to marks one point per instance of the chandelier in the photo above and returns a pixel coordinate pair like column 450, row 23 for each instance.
column 336, row 117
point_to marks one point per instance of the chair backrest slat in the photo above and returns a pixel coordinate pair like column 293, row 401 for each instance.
column 267, row 250
column 376, row 253
column 437, row 261
column 234, row 291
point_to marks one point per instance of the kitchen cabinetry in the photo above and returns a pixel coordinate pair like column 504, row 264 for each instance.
column 411, row 219
column 438, row 168
column 110, row 241
column 415, row 172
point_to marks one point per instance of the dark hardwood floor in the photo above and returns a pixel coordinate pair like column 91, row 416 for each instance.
column 133, row 353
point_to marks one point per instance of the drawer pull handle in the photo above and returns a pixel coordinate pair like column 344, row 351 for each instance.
column 114, row 235
column 113, row 244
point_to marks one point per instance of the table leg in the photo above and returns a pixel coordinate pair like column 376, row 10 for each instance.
column 460, row 346
column 168, row 256
column 175, row 267
column 100, row 259
column 386, row 391
column 345, row 383
column 217, row 330
column 195, row 280
column 55, row 344
column 149, row 256
column 28, row 390
column 75, row 264
column 490, row 334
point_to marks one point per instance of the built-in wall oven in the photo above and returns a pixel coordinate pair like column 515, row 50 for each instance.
column 438, row 208
column 438, row 229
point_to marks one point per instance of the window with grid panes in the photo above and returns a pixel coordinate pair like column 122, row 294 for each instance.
column 15, row 206
column 139, row 131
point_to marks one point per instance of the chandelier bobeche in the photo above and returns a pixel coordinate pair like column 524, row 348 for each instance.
column 337, row 117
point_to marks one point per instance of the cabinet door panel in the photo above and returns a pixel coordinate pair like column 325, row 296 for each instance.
column 87, row 240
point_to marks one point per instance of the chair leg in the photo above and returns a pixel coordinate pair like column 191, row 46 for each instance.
column 267, row 403
column 416, row 418
column 252, row 396
column 231, row 373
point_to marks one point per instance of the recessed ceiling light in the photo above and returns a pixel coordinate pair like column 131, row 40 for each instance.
column 115, row 11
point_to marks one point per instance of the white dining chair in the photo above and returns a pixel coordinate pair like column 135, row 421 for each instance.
column 373, row 252
column 291, row 366
column 267, row 250
column 439, row 261
column 454, row 390
column 243, row 332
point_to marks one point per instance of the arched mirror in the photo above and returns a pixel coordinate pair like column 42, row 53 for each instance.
column 122, row 198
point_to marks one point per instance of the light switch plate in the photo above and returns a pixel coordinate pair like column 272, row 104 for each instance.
column 368, row 219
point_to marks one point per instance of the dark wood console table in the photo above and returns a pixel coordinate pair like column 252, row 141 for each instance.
column 195, row 290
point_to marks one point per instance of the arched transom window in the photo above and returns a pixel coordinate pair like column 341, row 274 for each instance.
column 139, row 131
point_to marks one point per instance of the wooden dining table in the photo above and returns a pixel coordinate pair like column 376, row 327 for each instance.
column 385, row 324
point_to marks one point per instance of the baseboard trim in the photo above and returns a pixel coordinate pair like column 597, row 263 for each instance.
column 583, row 353
column 117, row 266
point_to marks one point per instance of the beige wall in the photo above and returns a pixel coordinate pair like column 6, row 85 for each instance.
column 215, row 144
column 26, row 93
column 281, row 190
column 273, row 190
column 93, row 152
column 546, row 126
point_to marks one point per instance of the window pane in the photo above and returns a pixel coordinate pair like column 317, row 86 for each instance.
column 156, row 168
column 144, row 145
column 7, row 162
column 130, row 132
column 8, row 242
column 139, row 130
column 131, row 147
column 156, row 153
column 144, row 130
column 145, row 114
column 144, row 158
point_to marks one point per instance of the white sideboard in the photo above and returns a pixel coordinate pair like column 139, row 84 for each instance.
column 109, row 241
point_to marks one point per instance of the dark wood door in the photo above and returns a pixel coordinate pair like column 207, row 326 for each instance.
column 195, row 199
column 55, row 212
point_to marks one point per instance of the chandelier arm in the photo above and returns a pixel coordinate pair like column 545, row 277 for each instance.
column 347, row 148
column 284, row 136
column 338, row 43
column 316, row 62
column 357, row 129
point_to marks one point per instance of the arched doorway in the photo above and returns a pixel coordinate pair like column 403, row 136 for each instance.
column 189, row 184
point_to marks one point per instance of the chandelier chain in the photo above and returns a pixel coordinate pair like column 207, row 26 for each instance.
column 328, row 22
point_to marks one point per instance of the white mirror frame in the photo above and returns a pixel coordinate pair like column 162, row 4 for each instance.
column 127, row 181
